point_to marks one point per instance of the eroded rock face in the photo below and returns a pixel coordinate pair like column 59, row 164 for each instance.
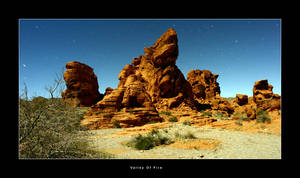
column 152, row 82
column 241, row 99
column 264, row 97
column 204, row 83
column 220, row 104
column 82, row 85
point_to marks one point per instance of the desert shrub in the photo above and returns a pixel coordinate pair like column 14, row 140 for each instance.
column 186, row 122
column 154, row 138
column 240, row 117
column 220, row 116
column 167, row 113
column 205, row 114
column 154, row 132
column 238, row 122
column 173, row 119
column 244, row 118
column 187, row 135
column 47, row 129
column 144, row 142
column 116, row 124
column 262, row 117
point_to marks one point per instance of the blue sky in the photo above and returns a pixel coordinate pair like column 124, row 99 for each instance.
column 241, row 51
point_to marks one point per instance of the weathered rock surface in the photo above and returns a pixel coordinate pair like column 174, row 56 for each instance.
column 241, row 99
column 204, row 83
column 207, row 91
column 264, row 97
column 82, row 85
column 152, row 82
column 221, row 104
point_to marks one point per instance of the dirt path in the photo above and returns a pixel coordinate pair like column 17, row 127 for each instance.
column 226, row 144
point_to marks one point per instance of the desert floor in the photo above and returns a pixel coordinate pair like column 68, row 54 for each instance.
column 223, row 139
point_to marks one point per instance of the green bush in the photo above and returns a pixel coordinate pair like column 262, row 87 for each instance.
column 154, row 138
column 187, row 135
column 116, row 124
column 262, row 117
column 167, row 113
column 186, row 122
column 48, row 129
column 144, row 142
column 205, row 114
column 240, row 117
column 173, row 119
column 220, row 116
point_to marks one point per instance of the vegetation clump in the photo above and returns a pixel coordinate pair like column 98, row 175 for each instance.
column 187, row 135
column 186, row 122
column 116, row 124
column 220, row 116
column 48, row 128
column 154, row 138
column 173, row 119
column 167, row 113
column 206, row 114
column 262, row 117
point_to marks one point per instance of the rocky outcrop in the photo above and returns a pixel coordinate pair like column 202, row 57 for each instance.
column 264, row 97
column 241, row 99
column 204, row 83
column 221, row 104
column 150, row 83
column 82, row 85
column 206, row 91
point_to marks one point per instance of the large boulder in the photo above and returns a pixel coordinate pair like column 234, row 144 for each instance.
column 264, row 97
column 82, row 85
column 241, row 99
column 204, row 83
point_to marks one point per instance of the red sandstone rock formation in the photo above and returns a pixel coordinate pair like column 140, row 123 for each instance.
column 82, row 85
column 152, row 82
column 241, row 99
column 263, row 96
column 263, row 99
column 204, row 83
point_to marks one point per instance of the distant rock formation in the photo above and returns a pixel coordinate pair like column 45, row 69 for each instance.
column 82, row 85
column 241, row 99
column 204, row 83
column 152, row 82
column 264, row 97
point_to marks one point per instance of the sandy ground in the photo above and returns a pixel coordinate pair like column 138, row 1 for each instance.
column 219, row 140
